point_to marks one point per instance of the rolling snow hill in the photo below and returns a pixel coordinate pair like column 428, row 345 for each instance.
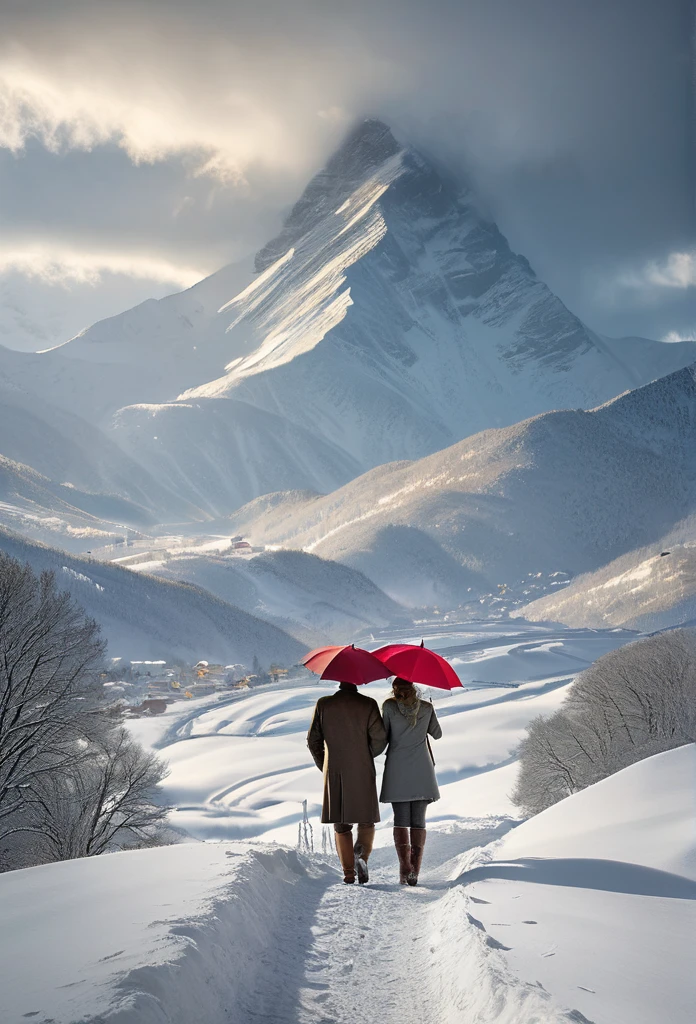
column 147, row 618
column 318, row 601
column 594, row 900
column 387, row 320
column 561, row 491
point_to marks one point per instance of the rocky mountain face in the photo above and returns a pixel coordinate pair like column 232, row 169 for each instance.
column 386, row 321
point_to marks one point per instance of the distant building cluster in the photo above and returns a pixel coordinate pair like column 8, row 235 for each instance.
column 147, row 687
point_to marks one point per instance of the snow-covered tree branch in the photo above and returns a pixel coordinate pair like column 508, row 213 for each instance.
column 630, row 704
column 72, row 782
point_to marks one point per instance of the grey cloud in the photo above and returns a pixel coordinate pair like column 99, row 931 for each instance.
column 574, row 121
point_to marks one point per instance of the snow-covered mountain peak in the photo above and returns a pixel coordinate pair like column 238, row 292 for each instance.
column 368, row 145
column 290, row 307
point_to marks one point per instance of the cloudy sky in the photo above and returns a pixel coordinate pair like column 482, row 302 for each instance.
column 143, row 145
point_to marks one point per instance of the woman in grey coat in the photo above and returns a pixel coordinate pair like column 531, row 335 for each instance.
column 409, row 782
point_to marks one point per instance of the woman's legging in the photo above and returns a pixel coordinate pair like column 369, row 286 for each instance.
column 410, row 813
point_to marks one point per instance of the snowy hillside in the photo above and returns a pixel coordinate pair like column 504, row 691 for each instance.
column 62, row 446
column 594, row 900
column 316, row 600
column 61, row 513
column 387, row 320
column 147, row 618
column 645, row 589
column 562, row 491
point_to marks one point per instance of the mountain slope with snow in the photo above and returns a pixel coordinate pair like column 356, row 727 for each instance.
column 562, row 491
column 318, row 601
column 648, row 589
column 388, row 320
column 61, row 513
column 147, row 618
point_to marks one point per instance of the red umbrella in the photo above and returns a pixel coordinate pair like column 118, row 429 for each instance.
column 349, row 664
column 418, row 665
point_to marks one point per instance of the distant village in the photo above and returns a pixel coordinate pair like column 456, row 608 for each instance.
column 147, row 687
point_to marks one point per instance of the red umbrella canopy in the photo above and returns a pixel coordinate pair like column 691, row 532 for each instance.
column 345, row 665
column 418, row 665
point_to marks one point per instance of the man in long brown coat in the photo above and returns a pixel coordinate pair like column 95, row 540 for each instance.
column 346, row 734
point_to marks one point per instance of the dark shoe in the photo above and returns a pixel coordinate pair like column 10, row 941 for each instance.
column 344, row 849
column 361, row 864
column 403, row 852
column 362, row 850
column 417, row 845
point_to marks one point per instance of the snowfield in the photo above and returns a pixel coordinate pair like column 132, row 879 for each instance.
column 522, row 930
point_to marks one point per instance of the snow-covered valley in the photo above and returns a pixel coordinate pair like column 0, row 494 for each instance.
column 584, row 913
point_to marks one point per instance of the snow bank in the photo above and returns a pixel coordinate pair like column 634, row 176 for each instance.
column 645, row 814
column 595, row 899
column 173, row 934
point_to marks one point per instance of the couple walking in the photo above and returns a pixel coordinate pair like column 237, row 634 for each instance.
column 346, row 735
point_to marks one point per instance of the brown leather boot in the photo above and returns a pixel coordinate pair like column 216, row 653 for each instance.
column 362, row 850
column 417, row 844
column 344, row 849
column 403, row 852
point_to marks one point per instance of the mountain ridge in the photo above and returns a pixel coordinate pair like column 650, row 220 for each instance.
column 567, row 490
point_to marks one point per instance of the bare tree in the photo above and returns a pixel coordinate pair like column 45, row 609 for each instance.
column 49, row 656
column 72, row 781
column 631, row 703
column 104, row 801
